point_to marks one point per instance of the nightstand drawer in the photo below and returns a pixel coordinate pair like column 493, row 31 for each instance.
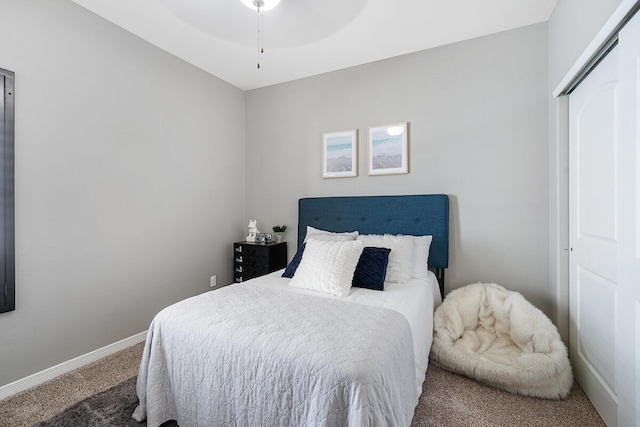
column 257, row 259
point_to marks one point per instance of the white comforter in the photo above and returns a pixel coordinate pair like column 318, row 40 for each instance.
column 261, row 353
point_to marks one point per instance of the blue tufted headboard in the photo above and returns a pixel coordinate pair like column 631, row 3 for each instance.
column 417, row 215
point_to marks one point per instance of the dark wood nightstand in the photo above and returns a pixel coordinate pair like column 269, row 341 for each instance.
column 257, row 259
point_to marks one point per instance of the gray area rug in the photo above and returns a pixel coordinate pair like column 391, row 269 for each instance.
column 112, row 407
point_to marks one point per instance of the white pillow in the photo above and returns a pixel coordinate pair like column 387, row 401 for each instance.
column 400, row 267
column 317, row 234
column 328, row 266
column 421, row 246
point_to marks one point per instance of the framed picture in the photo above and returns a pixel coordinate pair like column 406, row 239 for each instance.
column 388, row 148
column 340, row 154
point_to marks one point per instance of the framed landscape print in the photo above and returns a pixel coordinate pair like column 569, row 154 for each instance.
column 340, row 154
column 388, row 147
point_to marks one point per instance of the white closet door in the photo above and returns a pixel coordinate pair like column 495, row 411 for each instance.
column 594, row 233
column 628, row 309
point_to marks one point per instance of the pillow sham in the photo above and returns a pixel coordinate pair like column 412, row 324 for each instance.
column 421, row 246
column 400, row 266
column 317, row 234
column 372, row 268
column 328, row 266
column 295, row 262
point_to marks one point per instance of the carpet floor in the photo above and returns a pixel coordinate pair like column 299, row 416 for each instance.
column 103, row 394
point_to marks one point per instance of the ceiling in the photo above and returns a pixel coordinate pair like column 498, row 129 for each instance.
column 302, row 38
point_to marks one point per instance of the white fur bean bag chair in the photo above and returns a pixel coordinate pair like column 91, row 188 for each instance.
column 497, row 337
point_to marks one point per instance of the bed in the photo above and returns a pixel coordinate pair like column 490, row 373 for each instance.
column 277, row 351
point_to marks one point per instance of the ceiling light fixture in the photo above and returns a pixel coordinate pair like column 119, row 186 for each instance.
column 263, row 5
column 260, row 6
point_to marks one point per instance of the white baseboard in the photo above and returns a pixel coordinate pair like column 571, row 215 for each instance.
column 68, row 366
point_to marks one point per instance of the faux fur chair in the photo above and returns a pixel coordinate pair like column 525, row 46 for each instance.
column 495, row 336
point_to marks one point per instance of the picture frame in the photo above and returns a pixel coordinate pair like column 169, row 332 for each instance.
column 340, row 154
column 264, row 238
column 388, row 149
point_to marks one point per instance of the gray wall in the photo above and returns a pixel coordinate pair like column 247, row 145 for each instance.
column 129, row 182
column 478, row 111
column 572, row 26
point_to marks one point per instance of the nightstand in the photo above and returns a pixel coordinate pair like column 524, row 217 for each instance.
column 257, row 259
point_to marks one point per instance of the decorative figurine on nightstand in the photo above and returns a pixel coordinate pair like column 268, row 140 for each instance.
column 253, row 231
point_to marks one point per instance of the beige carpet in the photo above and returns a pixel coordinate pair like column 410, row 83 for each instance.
column 454, row 400
column 46, row 400
column 447, row 399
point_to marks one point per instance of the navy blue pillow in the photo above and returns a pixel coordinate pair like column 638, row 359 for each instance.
column 371, row 268
column 295, row 262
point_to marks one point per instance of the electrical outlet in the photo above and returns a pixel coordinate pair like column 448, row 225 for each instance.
column 213, row 281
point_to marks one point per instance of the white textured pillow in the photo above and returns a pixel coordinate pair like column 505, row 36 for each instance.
column 400, row 267
column 317, row 234
column 328, row 266
column 421, row 246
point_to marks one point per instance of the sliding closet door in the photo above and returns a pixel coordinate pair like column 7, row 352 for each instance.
column 628, row 310
column 594, row 233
